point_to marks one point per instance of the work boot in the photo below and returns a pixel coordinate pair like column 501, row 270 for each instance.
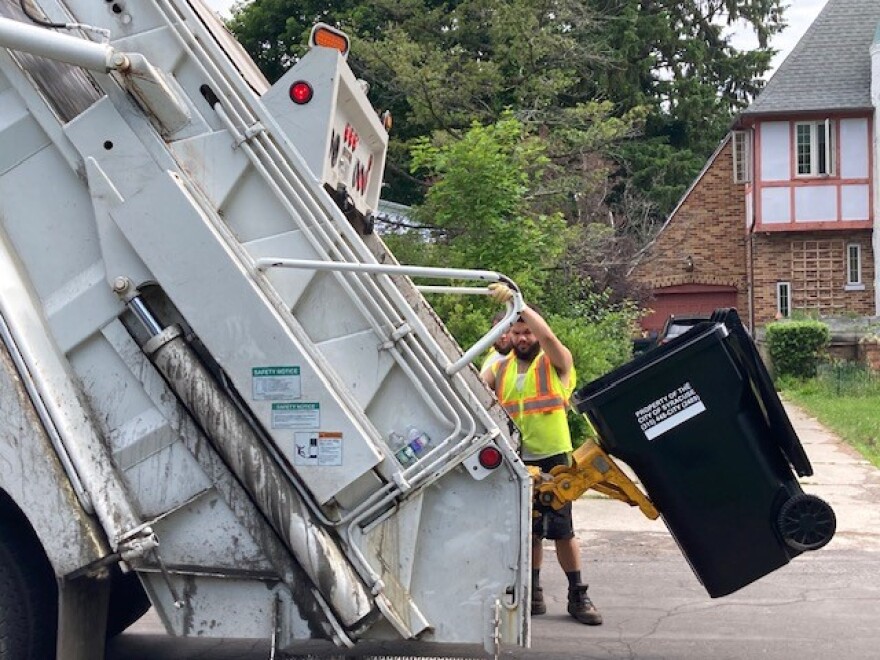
column 581, row 607
column 538, row 605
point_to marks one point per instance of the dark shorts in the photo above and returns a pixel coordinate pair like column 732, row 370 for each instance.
column 547, row 522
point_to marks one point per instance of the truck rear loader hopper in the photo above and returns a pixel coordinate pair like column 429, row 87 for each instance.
column 202, row 359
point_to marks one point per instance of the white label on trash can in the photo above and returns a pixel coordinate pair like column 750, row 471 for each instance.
column 670, row 410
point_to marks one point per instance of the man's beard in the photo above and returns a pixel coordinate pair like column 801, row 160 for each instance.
column 503, row 349
column 528, row 354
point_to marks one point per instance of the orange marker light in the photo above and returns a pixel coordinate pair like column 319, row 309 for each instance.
column 328, row 37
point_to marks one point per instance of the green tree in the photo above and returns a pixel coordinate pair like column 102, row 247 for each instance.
column 275, row 32
column 628, row 96
column 533, row 54
column 478, row 214
column 676, row 58
column 481, row 212
column 439, row 66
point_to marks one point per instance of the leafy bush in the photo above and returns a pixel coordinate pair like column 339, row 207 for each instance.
column 482, row 211
column 845, row 378
column 598, row 345
column 796, row 346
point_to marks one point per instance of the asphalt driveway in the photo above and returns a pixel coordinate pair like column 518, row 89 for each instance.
column 822, row 605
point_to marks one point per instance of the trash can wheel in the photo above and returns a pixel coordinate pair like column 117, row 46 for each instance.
column 806, row 522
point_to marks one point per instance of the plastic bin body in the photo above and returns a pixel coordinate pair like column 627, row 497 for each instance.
column 708, row 445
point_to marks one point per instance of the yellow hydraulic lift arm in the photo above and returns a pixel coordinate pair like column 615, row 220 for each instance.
column 592, row 468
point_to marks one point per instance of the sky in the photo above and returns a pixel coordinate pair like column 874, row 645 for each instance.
column 799, row 15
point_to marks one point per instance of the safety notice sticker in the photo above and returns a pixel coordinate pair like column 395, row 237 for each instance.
column 670, row 410
column 276, row 383
column 317, row 448
column 296, row 415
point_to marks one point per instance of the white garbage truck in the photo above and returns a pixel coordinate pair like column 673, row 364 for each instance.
column 220, row 395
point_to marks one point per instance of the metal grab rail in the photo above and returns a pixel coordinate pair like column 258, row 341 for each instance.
column 514, row 305
column 61, row 47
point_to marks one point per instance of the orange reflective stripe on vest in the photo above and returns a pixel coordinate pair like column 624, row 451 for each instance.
column 541, row 400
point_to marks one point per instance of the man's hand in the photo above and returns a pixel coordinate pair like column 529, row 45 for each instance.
column 500, row 292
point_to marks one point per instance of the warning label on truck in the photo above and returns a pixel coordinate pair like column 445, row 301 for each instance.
column 276, row 383
column 296, row 415
column 670, row 410
column 317, row 448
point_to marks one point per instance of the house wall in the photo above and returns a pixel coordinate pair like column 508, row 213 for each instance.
column 788, row 201
column 814, row 263
column 875, row 99
column 709, row 226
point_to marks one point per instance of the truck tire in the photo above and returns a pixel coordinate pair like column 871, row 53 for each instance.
column 128, row 602
column 28, row 596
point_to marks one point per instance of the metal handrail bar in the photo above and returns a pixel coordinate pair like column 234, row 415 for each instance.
column 514, row 306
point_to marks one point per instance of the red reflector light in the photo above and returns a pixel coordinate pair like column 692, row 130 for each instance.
column 489, row 457
column 301, row 92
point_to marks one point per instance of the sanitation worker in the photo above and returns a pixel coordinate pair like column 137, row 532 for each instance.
column 500, row 349
column 533, row 383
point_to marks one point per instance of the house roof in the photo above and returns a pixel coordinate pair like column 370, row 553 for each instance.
column 830, row 67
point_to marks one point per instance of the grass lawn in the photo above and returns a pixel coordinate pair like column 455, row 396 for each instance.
column 846, row 403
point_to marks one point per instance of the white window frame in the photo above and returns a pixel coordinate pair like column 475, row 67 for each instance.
column 742, row 156
column 783, row 299
column 817, row 128
column 854, row 266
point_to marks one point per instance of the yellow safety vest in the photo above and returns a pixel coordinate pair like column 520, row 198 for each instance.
column 491, row 357
column 539, row 407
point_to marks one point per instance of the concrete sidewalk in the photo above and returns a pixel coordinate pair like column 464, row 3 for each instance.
column 823, row 604
column 843, row 479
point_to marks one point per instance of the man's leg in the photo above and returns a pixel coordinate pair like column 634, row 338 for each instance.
column 568, row 554
column 579, row 604
column 538, row 605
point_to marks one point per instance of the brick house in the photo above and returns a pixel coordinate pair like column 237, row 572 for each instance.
column 698, row 262
column 782, row 218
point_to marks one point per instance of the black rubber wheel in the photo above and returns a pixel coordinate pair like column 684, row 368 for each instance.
column 806, row 522
column 128, row 602
column 28, row 596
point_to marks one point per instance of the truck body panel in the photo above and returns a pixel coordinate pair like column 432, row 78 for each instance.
column 33, row 477
column 222, row 423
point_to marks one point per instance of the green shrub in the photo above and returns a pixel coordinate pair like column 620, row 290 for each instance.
column 796, row 346
column 597, row 345
column 843, row 378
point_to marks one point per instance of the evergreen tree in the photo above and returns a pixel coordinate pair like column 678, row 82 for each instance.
column 628, row 96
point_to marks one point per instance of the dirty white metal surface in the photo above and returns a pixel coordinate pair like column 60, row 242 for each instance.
column 342, row 141
column 169, row 182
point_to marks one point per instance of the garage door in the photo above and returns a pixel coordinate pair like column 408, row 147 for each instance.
column 687, row 299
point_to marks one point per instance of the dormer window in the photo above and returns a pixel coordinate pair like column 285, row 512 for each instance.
column 815, row 148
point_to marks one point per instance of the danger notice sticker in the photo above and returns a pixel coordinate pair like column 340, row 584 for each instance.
column 670, row 410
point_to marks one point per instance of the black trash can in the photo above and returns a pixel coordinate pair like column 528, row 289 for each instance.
column 700, row 423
